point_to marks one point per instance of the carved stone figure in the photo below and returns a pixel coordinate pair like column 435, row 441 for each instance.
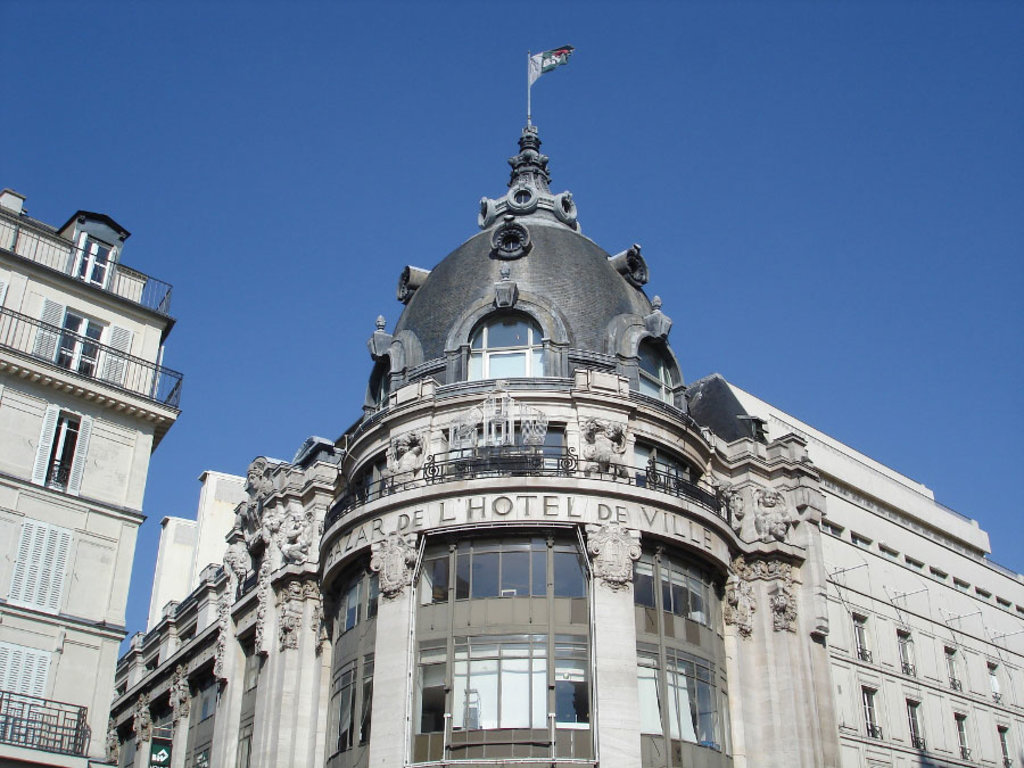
column 113, row 743
column 783, row 605
column 180, row 694
column 289, row 620
column 613, row 549
column 603, row 447
column 771, row 520
column 142, row 720
column 405, row 454
column 237, row 562
column 731, row 499
column 296, row 537
column 740, row 602
column 318, row 622
column 393, row 559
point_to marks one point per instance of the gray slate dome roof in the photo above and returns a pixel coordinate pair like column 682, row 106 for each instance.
column 575, row 278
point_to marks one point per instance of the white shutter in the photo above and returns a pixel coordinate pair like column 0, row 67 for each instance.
column 46, row 338
column 39, row 573
column 45, row 444
column 23, row 670
column 81, row 449
column 114, row 365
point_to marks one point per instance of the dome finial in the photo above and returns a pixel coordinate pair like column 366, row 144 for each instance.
column 530, row 167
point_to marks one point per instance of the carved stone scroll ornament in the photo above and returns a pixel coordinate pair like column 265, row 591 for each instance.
column 394, row 560
column 142, row 720
column 740, row 603
column 289, row 619
column 604, row 443
column 613, row 549
column 113, row 743
column 771, row 518
column 180, row 694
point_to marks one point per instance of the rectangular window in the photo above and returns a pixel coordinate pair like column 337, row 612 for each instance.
column 78, row 349
column 914, row 723
column 572, row 693
column 692, row 700
column 208, row 700
column 861, row 541
column 23, row 670
column 831, row 529
column 344, row 703
column 253, row 663
column 963, row 586
column 1004, row 745
column 366, row 701
column 993, row 681
column 860, row 637
column 351, row 613
column 870, row 716
column 500, row 683
column 905, row 645
column 643, row 583
column 94, row 259
column 39, row 571
column 961, row 735
column 917, row 565
column 61, row 451
column 433, row 670
column 938, row 574
column 951, row 669
column 892, row 554
column 650, row 696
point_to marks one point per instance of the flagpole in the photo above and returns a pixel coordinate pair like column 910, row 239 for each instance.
column 528, row 84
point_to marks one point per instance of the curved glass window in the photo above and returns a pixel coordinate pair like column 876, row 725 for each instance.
column 656, row 379
column 506, row 346
column 674, row 586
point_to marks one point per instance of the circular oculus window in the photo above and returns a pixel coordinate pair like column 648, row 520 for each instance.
column 511, row 241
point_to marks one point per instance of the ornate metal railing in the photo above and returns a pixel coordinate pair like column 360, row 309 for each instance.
column 50, row 726
column 87, row 357
column 525, row 462
column 874, row 731
column 58, row 254
column 918, row 743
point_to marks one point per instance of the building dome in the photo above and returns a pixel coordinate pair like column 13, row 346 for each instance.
column 531, row 261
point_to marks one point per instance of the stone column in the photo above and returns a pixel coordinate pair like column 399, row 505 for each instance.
column 394, row 559
column 617, row 714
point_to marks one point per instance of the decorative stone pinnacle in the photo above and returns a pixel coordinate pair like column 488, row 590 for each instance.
column 381, row 323
column 530, row 167
column 656, row 303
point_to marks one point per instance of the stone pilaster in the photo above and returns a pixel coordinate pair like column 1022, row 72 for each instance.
column 394, row 559
column 617, row 725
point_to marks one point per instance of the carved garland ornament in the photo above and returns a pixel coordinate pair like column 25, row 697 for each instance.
column 614, row 549
column 223, row 631
column 394, row 560
column 262, row 598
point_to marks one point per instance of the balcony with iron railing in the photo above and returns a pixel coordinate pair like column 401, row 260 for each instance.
column 918, row 743
column 514, row 461
column 32, row 242
column 874, row 731
column 909, row 669
column 37, row 723
column 88, row 358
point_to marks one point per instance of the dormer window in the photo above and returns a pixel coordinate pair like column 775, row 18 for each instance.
column 656, row 379
column 506, row 346
column 93, row 260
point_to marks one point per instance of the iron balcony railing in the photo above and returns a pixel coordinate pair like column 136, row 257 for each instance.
column 918, row 743
column 508, row 461
column 874, row 731
column 909, row 669
column 955, row 685
column 50, row 726
column 87, row 357
column 58, row 254
column 864, row 655
column 965, row 753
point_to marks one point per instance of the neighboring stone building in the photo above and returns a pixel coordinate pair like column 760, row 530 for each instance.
column 538, row 546
column 84, row 401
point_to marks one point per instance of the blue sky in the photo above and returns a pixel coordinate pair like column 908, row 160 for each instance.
column 829, row 196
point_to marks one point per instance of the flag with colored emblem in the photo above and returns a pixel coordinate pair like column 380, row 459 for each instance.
column 548, row 60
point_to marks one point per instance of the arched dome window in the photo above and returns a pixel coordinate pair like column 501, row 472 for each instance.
column 656, row 378
column 506, row 346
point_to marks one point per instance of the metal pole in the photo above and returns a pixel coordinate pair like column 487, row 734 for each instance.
column 528, row 84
